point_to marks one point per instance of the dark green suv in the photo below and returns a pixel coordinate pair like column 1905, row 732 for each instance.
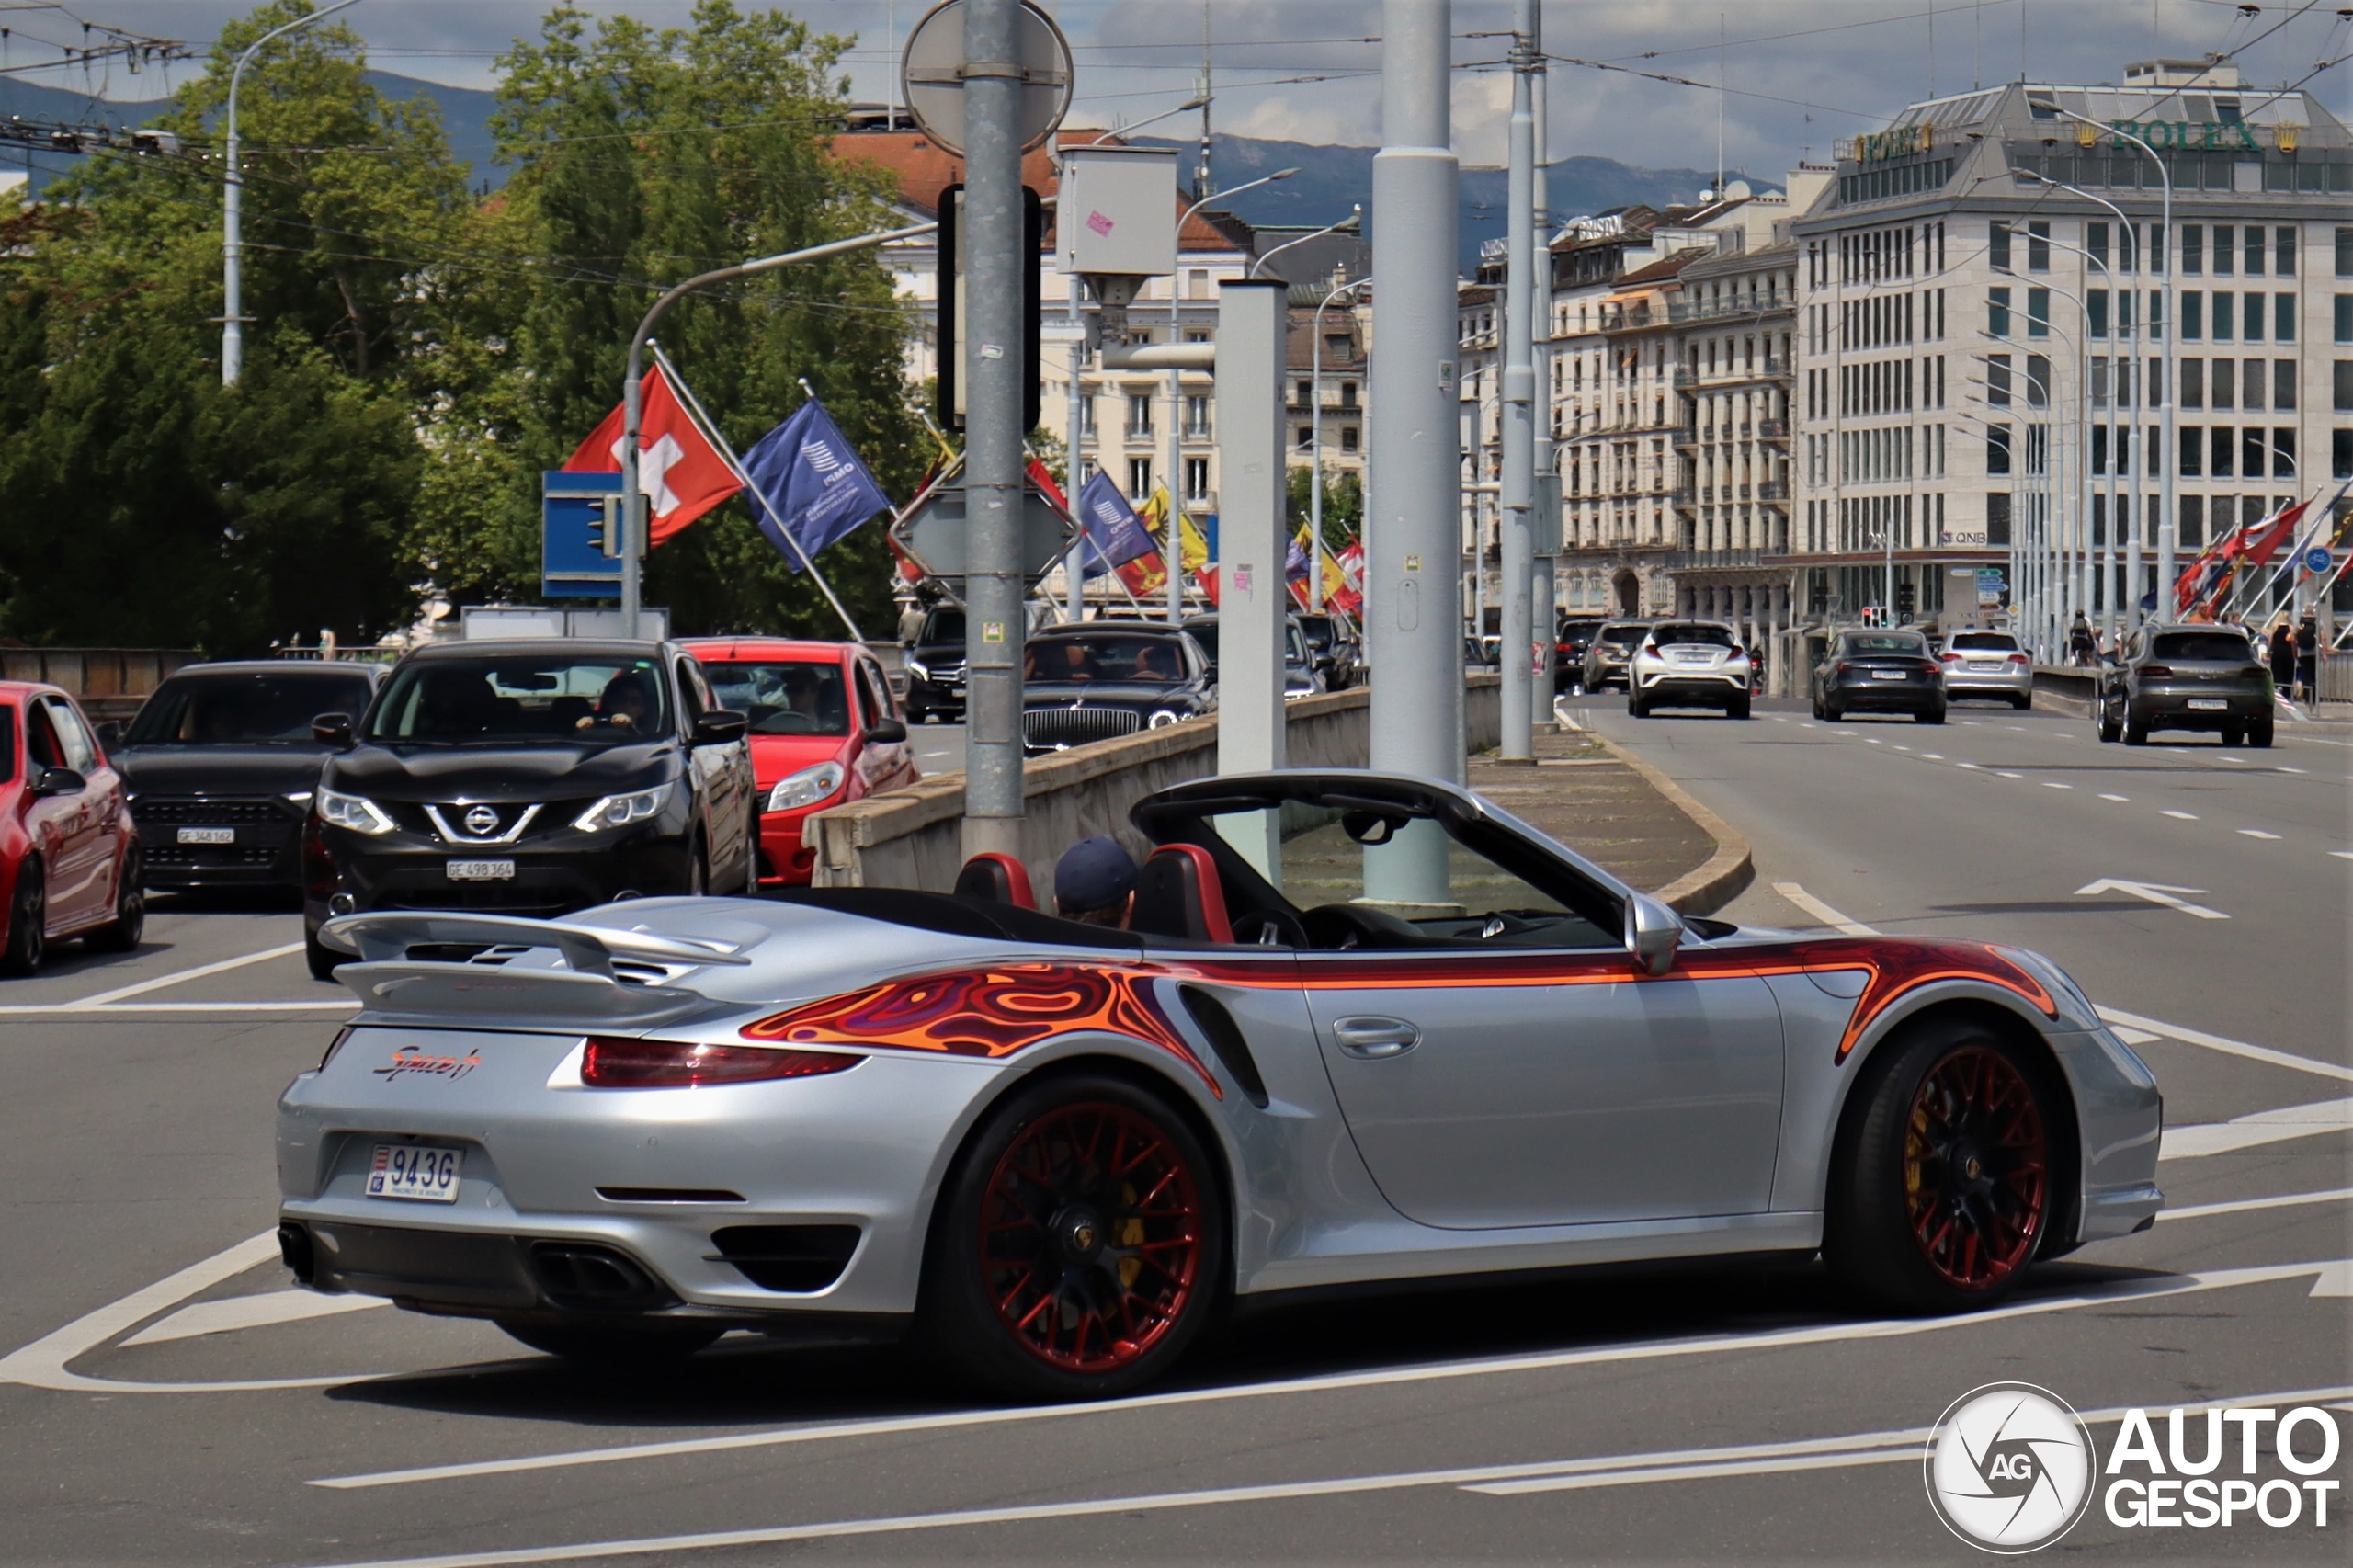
column 2186, row 678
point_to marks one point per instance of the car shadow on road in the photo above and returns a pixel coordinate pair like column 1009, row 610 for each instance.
column 746, row 1380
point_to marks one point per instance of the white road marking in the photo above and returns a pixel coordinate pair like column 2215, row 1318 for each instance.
column 1850, row 734
column 1932, row 756
column 2343, row 854
column 2288, row 770
column 2132, row 1036
column 2156, row 892
column 2010, row 775
column 1902, row 748
column 2112, row 1017
column 2116, row 797
column 1821, row 911
column 2256, row 833
column 251, row 1311
column 2255, row 1132
column 2248, row 1205
column 2180, row 816
column 1971, row 766
column 1872, row 740
column 1865, row 1448
column 181, row 976
column 2049, row 784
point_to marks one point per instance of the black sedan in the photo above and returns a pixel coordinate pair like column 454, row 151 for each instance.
column 2186, row 677
column 1869, row 671
column 530, row 778
column 1333, row 647
column 1099, row 680
column 1300, row 676
column 221, row 766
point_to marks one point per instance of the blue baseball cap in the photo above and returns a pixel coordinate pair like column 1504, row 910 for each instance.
column 1095, row 873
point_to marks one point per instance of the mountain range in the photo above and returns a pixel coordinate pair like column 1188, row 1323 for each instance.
column 1329, row 179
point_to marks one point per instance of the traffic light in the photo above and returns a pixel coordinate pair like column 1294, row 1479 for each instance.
column 950, row 408
column 1907, row 600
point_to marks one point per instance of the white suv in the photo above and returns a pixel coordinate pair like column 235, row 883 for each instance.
column 1689, row 663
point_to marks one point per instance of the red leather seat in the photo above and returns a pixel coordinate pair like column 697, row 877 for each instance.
column 1179, row 894
column 999, row 879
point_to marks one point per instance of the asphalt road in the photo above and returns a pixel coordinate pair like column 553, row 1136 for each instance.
column 164, row 1401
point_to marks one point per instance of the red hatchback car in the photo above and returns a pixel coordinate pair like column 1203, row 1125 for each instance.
column 825, row 730
column 69, row 856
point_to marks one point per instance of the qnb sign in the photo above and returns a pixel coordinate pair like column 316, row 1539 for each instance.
column 2210, row 135
column 2218, row 1477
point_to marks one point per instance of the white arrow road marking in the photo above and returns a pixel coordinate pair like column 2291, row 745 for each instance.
column 2147, row 1289
column 2156, row 892
column 2253, row 1131
column 1502, row 1480
column 1821, row 911
column 251, row 1311
column 2336, row 1280
column 2114, row 1016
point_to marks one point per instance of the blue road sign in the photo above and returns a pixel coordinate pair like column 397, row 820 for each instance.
column 2316, row 559
column 580, row 535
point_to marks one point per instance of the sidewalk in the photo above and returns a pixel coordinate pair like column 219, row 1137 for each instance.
column 1580, row 794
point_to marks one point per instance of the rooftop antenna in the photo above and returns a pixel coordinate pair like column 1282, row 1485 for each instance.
column 1201, row 186
column 1720, row 106
column 889, row 67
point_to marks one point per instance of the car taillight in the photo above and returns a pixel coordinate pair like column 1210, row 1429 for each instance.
column 1950, row 658
column 2156, row 672
column 2021, row 659
column 685, row 1064
column 1733, row 652
column 1841, row 667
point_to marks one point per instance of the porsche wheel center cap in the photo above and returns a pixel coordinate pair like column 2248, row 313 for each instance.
column 1080, row 1232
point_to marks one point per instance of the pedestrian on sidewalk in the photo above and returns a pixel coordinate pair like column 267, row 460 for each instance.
column 2283, row 657
column 2083, row 647
column 2307, row 660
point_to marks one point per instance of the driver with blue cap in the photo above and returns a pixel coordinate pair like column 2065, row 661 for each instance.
column 1095, row 881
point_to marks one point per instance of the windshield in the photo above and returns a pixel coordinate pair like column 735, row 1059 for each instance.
column 522, row 700
column 1694, row 635
column 1985, row 642
column 798, row 698
column 264, row 708
column 1205, row 633
column 1317, row 629
column 1885, row 643
column 1624, row 636
column 1107, row 657
column 2217, row 645
column 943, row 626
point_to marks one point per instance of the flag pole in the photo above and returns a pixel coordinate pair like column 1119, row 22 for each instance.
column 711, row 433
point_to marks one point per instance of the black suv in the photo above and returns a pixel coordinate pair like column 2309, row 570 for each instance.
column 2186, row 678
column 1331, row 646
column 219, row 767
column 1570, row 646
column 1102, row 679
column 935, row 661
column 530, row 778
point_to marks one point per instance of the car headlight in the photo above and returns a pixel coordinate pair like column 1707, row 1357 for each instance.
column 354, row 812
column 806, row 788
column 918, row 669
column 619, row 811
column 1164, row 717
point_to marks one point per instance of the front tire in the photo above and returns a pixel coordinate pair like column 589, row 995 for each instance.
column 1079, row 1246
column 27, row 939
column 612, row 1347
column 2109, row 725
column 1942, row 1191
column 319, row 955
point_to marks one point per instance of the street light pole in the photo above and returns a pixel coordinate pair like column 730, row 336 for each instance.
column 1175, row 559
column 1315, row 449
column 1518, row 407
column 233, row 208
column 632, row 410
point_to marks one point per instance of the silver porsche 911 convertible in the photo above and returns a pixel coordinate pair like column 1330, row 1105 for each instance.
column 1359, row 1028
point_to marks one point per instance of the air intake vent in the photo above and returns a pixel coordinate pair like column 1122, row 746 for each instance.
column 1226, row 1039
column 799, row 1258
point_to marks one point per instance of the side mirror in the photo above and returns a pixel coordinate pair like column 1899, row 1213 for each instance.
column 110, row 734
column 718, row 726
column 333, row 730
column 59, row 781
column 1653, row 930
column 886, row 733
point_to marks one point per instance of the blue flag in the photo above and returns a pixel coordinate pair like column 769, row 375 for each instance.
column 816, row 481
column 1114, row 536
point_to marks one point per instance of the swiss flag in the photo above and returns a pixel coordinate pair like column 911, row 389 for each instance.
column 679, row 470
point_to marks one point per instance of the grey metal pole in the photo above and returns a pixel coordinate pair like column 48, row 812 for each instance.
column 1411, row 534
column 1075, row 563
column 1315, row 448
column 1518, row 407
column 1544, row 587
column 1252, row 317
column 994, row 367
column 632, row 412
column 233, row 208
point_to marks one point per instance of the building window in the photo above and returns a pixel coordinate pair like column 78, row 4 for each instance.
column 2193, row 383
column 1997, row 517
column 1197, row 479
column 1997, row 241
column 2283, row 318
column 1348, row 437
column 2283, row 251
column 1196, row 416
column 1306, row 398
column 2220, row 452
column 2193, row 448
column 1336, row 347
column 2096, row 244
column 2193, row 248
column 1138, row 414
column 1997, row 310
column 1347, row 394
column 2038, row 313
column 1196, row 283
column 2340, row 451
column 2037, row 381
column 1138, row 478
column 2038, row 246
column 2225, row 314
column 2095, row 311
column 2254, row 250
column 2343, row 388
column 1997, row 448
column 1997, row 380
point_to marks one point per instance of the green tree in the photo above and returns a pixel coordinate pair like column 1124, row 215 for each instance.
column 1343, row 504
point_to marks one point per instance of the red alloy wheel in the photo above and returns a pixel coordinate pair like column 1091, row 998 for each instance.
column 1976, row 1170
column 1091, row 1237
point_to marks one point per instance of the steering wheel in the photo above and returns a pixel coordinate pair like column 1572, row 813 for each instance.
column 1269, row 928
column 1341, row 926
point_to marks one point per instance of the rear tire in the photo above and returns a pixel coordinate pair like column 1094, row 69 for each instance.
column 130, row 922
column 2234, row 737
column 27, row 939
column 1133, row 1237
column 1738, row 707
column 1637, row 707
column 2021, row 703
column 1930, row 716
column 2136, row 730
column 2258, row 734
column 1942, row 1185
column 613, row 1347
column 320, row 957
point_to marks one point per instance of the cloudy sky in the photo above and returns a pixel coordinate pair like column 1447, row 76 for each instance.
column 1799, row 74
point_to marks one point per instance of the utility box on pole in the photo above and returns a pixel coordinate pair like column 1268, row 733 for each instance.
column 1116, row 223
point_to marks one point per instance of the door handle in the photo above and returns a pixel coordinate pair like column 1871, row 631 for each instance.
column 1372, row 1039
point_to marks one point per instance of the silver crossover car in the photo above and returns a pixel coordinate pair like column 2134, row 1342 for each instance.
column 1359, row 1028
column 1689, row 663
column 1989, row 665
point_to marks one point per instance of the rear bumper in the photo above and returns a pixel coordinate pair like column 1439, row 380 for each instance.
column 1691, row 685
column 1887, row 696
column 1990, row 683
column 2169, row 708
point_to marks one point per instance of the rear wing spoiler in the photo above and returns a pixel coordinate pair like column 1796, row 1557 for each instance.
column 587, row 991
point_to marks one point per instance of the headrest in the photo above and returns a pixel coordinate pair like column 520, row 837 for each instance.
column 999, row 879
column 1179, row 894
